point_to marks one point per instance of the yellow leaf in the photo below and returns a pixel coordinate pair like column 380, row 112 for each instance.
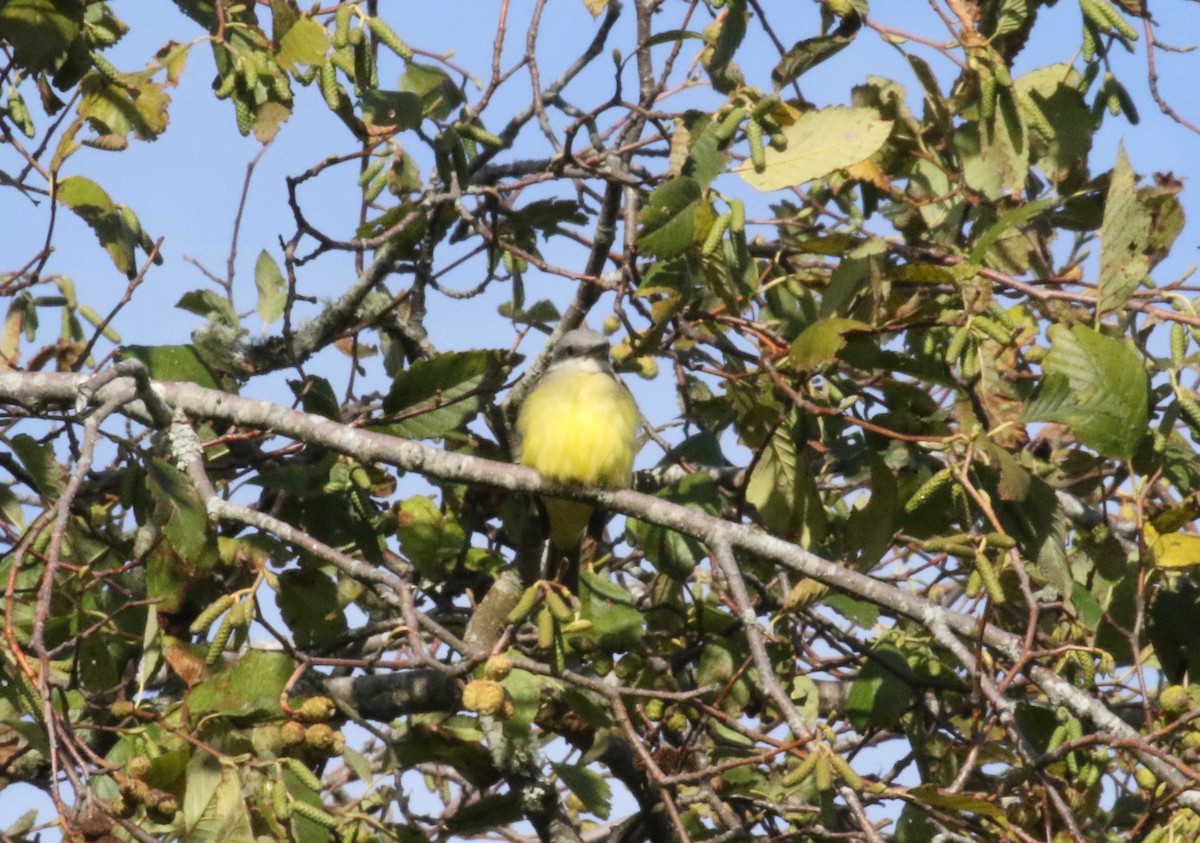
column 1173, row 550
column 870, row 172
column 818, row 143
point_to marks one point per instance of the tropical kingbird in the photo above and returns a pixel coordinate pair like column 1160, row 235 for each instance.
column 578, row 425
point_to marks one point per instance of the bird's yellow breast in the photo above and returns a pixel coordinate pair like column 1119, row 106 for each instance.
column 579, row 425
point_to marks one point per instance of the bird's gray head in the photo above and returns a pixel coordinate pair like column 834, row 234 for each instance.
column 582, row 342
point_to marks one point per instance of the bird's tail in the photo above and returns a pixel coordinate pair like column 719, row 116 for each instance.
column 568, row 527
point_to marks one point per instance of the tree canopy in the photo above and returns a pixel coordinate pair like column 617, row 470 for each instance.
column 911, row 552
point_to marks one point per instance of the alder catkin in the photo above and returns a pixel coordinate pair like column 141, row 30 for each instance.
column 389, row 38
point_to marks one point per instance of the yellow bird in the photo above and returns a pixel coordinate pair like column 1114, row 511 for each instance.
column 578, row 425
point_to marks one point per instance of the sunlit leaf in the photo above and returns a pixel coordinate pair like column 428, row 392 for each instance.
column 172, row 363
column 305, row 43
column 249, row 687
column 433, row 397
column 272, row 288
column 616, row 622
column 429, row 538
column 438, row 94
column 674, row 217
column 1097, row 386
column 1124, row 239
column 820, row 342
column 93, row 205
column 818, row 143
column 1050, row 98
column 131, row 103
column 1173, row 550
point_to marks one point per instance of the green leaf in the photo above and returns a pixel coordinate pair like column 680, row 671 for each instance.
column 869, row 529
column 616, row 621
column 302, row 828
column 1013, row 219
column 308, row 602
column 250, row 687
column 675, row 216
column 819, row 343
column 914, row 825
column 284, row 16
column 298, row 478
column 211, row 305
column 809, row 52
column 705, row 159
column 42, row 465
column 181, row 514
column 525, row 689
column 669, row 551
column 592, row 790
column 217, row 812
column 818, row 143
column 173, row 58
column 995, row 160
column 940, row 207
column 305, row 43
column 397, row 109
column 1033, row 516
column 860, row 270
column 40, row 31
column 203, row 776
column 1038, row 722
column 1161, row 204
column 1124, row 239
column 96, row 663
column 547, row 216
column 716, row 665
column 485, row 815
column 421, row 743
column 858, row 612
column 1049, row 97
column 938, row 109
column 431, row 540
column 272, row 288
column 268, row 118
column 784, row 492
column 23, row 824
column 1173, row 630
column 1097, row 386
column 437, row 93
column 882, row 692
column 132, row 102
column 930, row 794
column 317, row 397
column 92, row 204
column 433, row 397
column 172, row 363
column 11, row 511
column 1087, row 607
column 541, row 312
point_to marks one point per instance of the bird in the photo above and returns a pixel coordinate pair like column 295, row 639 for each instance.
column 579, row 424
